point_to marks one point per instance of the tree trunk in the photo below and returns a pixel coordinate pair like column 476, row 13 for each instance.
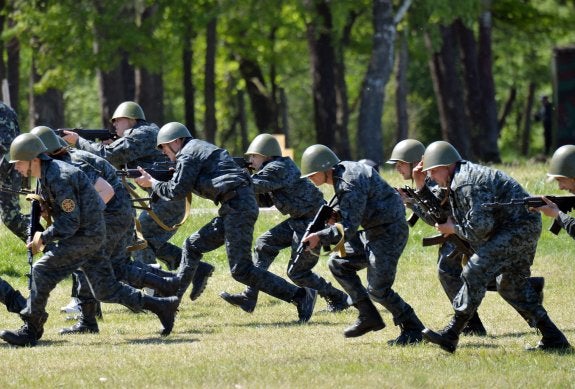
column 188, row 79
column 45, row 109
column 526, row 133
column 449, row 92
column 150, row 95
column 490, row 151
column 401, row 90
column 507, row 108
column 372, row 95
column 322, row 65
column 210, row 121
column 260, row 98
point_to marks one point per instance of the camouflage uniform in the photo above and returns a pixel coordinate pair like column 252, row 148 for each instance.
column 300, row 199
column 504, row 240
column 73, row 241
column 137, row 148
column 365, row 199
column 9, row 202
column 10, row 297
column 118, row 215
column 210, row 172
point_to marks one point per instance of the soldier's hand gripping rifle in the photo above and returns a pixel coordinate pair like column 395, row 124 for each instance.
column 564, row 203
column 318, row 223
column 160, row 174
column 435, row 213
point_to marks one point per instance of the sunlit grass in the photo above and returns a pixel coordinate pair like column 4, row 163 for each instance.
column 216, row 345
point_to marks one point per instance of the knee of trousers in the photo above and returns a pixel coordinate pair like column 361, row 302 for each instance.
column 242, row 272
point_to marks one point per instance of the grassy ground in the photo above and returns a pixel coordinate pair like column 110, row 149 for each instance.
column 216, row 345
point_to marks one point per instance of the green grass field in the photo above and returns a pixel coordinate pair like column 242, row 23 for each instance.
column 216, row 345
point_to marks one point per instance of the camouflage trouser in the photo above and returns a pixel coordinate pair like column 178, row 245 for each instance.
column 170, row 213
column 508, row 255
column 10, row 211
column 64, row 257
column 379, row 252
column 7, row 293
column 234, row 227
column 449, row 268
column 288, row 234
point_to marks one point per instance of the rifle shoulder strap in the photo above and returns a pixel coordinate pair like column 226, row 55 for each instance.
column 153, row 214
column 340, row 246
column 141, row 242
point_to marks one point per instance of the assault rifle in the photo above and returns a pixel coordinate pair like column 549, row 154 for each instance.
column 157, row 171
column 33, row 227
column 318, row 223
column 243, row 163
column 90, row 134
column 564, row 203
column 413, row 218
column 433, row 209
column 22, row 191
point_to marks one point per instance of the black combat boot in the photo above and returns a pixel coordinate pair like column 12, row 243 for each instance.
column 165, row 308
column 410, row 332
column 203, row 272
column 553, row 338
column 165, row 286
column 304, row 300
column 337, row 300
column 87, row 324
column 246, row 300
column 14, row 301
column 369, row 319
column 28, row 335
column 538, row 283
column 474, row 327
column 448, row 337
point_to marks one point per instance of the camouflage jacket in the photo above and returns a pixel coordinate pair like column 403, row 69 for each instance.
column 291, row 194
column 204, row 169
column 364, row 199
column 9, row 128
column 75, row 206
column 473, row 185
column 136, row 148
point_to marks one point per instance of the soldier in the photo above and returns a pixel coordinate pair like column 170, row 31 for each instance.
column 279, row 178
column 118, row 215
column 9, row 202
column 562, row 170
column 504, row 243
column 135, row 147
column 366, row 200
column 210, row 172
column 406, row 155
column 72, row 241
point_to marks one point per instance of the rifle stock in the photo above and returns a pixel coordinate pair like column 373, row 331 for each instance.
column 100, row 134
column 564, row 203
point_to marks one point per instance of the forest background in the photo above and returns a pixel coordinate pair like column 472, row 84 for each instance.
column 356, row 75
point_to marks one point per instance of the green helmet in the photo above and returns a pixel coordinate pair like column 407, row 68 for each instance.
column 26, row 147
column 317, row 158
column 171, row 131
column 48, row 137
column 128, row 109
column 563, row 162
column 408, row 151
column 266, row 145
column 439, row 153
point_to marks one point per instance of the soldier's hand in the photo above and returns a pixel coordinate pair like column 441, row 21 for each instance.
column 551, row 209
column 312, row 240
column 71, row 137
column 447, row 228
column 145, row 180
column 418, row 175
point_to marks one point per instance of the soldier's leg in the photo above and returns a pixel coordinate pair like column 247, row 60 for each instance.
column 10, row 297
column 239, row 216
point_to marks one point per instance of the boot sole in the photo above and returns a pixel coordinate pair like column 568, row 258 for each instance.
column 195, row 294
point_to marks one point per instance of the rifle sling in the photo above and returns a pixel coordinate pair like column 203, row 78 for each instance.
column 153, row 214
column 140, row 243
